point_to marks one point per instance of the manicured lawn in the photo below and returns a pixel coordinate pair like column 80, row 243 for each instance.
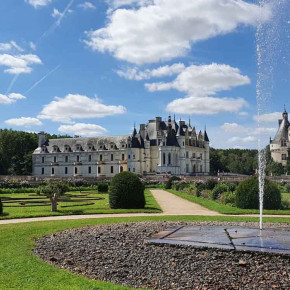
column 32, row 205
column 21, row 269
column 227, row 209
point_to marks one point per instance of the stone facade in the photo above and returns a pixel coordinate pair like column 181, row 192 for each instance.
column 280, row 145
column 159, row 147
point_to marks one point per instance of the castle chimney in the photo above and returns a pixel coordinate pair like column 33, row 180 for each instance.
column 41, row 138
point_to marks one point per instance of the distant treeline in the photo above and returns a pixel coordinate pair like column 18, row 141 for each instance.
column 16, row 148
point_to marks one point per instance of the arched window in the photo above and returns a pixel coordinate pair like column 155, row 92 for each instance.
column 164, row 159
column 169, row 158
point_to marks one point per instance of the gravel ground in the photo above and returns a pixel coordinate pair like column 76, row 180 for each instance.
column 119, row 254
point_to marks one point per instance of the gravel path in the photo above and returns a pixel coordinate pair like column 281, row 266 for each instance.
column 119, row 253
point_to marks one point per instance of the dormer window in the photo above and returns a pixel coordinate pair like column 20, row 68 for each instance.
column 101, row 146
column 66, row 148
column 283, row 143
column 79, row 148
column 54, row 148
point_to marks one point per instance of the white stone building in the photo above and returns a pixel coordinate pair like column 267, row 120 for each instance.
column 280, row 145
column 158, row 147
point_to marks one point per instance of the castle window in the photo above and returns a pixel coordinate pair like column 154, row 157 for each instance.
column 65, row 170
column 42, row 160
column 186, row 154
column 284, row 157
column 201, row 156
column 90, row 169
column 52, row 171
column 78, row 158
column 133, row 169
column 66, row 148
column 54, row 148
column 76, row 170
column 90, row 158
column 129, row 169
column 129, row 156
column 183, row 143
column 283, row 143
column 99, row 169
column 112, row 169
column 164, row 159
column 193, row 155
column 66, row 158
column 112, row 157
column 101, row 147
column 121, row 168
column 123, row 156
column 101, row 157
column 54, row 159
column 187, row 168
column 112, row 146
column 169, row 158
column 42, row 170
column 200, row 168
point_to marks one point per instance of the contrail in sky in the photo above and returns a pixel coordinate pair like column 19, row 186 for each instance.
column 42, row 79
column 12, row 84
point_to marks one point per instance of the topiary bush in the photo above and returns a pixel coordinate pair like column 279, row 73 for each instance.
column 218, row 190
column 103, row 187
column 169, row 182
column 126, row 191
column 211, row 184
column 1, row 207
column 247, row 195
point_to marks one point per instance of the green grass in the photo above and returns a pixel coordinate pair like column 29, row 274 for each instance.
column 21, row 269
column 70, row 208
column 227, row 209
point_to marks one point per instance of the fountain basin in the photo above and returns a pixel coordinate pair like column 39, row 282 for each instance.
column 230, row 238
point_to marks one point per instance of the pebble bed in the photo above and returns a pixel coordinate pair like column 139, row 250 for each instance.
column 119, row 253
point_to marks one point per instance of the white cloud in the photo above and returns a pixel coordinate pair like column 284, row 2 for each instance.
column 87, row 6
column 249, row 139
column 204, row 80
column 82, row 129
column 167, row 29
column 77, row 107
column 269, row 118
column 55, row 13
column 233, row 128
column 60, row 15
column 11, row 98
column 38, row 3
column 243, row 113
column 10, row 46
column 206, row 105
column 239, row 129
column 162, row 71
column 18, row 64
column 114, row 4
column 24, row 122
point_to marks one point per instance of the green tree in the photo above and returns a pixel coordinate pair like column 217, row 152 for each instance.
column 54, row 190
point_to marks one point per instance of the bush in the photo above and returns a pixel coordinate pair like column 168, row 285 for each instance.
column 228, row 197
column 1, row 207
column 211, row 184
column 199, row 188
column 231, row 186
column 247, row 195
column 126, row 191
column 169, row 182
column 287, row 187
column 218, row 190
column 103, row 187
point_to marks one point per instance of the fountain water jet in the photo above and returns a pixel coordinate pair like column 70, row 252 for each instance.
column 268, row 48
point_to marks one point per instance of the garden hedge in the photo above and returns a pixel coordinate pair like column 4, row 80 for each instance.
column 126, row 191
column 247, row 194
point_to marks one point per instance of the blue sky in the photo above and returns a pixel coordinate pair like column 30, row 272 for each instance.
column 95, row 67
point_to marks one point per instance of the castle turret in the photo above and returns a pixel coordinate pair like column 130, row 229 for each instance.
column 41, row 138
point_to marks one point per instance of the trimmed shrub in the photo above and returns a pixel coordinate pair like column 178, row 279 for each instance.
column 247, row 195
column 103, row 187
column 211, row 184
column 218, row 190
column 287, row 187
column 1, row 207
column 169, row 182
column 228, row 197
column 126, row 191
